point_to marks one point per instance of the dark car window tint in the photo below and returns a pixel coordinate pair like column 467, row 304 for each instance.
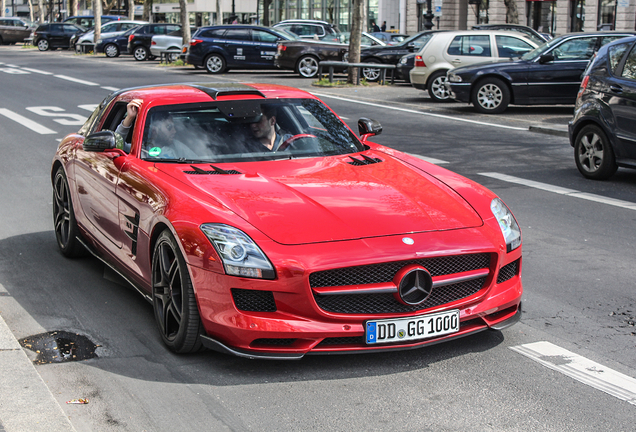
column 57, row 28
column 128, row 26
column 70, row 29
column 109, row 28
column 629, row 70
column 616, row 53
column 509, row 46
column 470, row 46
column 575, row 49
column 172, row 28
column 158, row 30
column 263, row 36
column 238, row 34
column 422, row 41
column 216, row 33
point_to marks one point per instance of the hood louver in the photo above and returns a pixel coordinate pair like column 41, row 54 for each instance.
column 365, row 160
column 217, row 170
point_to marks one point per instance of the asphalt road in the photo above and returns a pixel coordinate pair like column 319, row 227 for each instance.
column 579, row 248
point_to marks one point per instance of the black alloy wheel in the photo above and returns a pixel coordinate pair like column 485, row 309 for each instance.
column 140, row 53
column 436, row 86
column 111, row 50
column 173, row 299
column 64, row 223
column 214, row 63
column 593, row 154
column 491, row 96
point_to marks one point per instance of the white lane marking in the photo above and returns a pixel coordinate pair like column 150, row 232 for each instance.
column 52, row 111
column 110, row 88
column 14, row 71
column 421, row 113
column 88, row 107
column 562, row 191
column 581, row 369
column 76, row 80
column 36, row 127
column 12, row 65
column 429, row 159
column 38, row 71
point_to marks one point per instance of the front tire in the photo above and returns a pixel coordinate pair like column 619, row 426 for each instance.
column 111, row 50
column 173, row 299
column 214, row 64
column 593, row 154
column 43, row 45
column 371, row 74
column 491, row 96
column 307, row 66
column 436, row 87
column 140, row 53
column 64, row 223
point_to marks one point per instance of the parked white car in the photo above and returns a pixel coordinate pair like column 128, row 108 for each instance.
column 448, row 50
column 86, row 41
column 169, row 42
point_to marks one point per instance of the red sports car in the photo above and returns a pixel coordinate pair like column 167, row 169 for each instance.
column 323, row 243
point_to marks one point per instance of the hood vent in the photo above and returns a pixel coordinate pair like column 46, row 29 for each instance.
column 217, row 170
column 365, row 161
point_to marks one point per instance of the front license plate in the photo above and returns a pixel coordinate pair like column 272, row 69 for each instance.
column 412, row 328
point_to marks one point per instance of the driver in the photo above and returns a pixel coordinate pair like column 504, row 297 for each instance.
column 264, row 130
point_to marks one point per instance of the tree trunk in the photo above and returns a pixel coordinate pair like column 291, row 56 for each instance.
column 30, row 10
column 266, row 4
column 185, row 21
column 512, row 13
column 107, row 6
column 131, row 9
column 3, row 7
column 41, row 11
column 355, row 39
column 97, row 12
column 147, row 10
column 219, row 13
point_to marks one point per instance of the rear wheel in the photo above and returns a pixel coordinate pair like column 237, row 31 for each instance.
column 371, row 74
column 307, row 66
column 43, row 45
column 140, row 53
column 173, row 299
column 64, row 224
column 593, row 154
column 437, row 88
column 491, row 96
column 214, row 64
column 111, row 50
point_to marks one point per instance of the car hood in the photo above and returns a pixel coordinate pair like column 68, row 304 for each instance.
column 329, row 199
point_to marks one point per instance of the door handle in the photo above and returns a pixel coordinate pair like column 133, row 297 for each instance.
column 616, row 88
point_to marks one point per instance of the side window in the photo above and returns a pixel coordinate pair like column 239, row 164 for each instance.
column 608, row 39
column 57, row 28
column 128, row 26
column 263, row 36
column 238, row 34
column 109, row 28
column 86, row 22
column 616, row 53
column 4, row 22
column 216, row 33
column 172, row 28
column 158, row 30
column 575, row 49
column 422, row 41
column 509, row 46
column 478, row 46
column 629, row 70
column 70, row 29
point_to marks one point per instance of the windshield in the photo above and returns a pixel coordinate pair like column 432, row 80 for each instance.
column 244, row 130
column 540, row 50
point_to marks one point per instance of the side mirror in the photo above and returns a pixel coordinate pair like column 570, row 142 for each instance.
column 101, row 141
column 411, row 47
column 546, row 58
column 368, row 127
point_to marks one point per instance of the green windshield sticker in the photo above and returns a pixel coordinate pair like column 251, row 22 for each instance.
column 155, row 151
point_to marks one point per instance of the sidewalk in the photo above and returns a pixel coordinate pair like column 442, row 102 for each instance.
column 26, row 403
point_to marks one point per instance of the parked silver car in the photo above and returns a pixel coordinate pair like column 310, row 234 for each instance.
column 448, row 50
column 86, row 41
column 171, row 43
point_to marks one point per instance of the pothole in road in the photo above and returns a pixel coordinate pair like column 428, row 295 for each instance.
column 59, row 347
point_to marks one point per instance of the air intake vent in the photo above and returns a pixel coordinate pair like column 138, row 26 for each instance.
column 364, row 161
column 216, row 170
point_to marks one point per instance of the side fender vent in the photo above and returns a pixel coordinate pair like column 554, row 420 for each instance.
column 364, row 161
column 216, row 170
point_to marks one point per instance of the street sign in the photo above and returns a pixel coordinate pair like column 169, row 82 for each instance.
column 437, row 8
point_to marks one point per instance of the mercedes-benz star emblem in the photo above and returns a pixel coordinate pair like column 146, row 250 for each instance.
column 415, row 286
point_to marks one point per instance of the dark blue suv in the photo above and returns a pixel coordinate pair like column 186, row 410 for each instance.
column 219, row 48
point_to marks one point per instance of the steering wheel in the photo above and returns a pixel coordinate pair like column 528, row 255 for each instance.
column 291, row 139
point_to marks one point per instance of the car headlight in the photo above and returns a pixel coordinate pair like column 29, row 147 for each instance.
column 403, row 60
column 454, row 78
column 99, row 41
column 507, row 223
column 240, row 255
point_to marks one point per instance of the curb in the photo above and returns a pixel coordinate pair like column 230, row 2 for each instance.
column 549, row 131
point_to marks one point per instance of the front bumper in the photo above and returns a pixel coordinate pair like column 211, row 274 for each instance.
column 459, row 91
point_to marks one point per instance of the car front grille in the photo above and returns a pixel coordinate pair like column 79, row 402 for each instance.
column 508, row 271
column 382, row 303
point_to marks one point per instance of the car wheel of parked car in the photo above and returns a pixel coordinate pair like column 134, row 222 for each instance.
column 111, row 50
column 78, row 49
column 173, row 300
column 307, row 66
column 173, row 57
column 214, row 63
column 491, row 96
column 43, row 45
column 371, row 74
column 436, row 87
column 66, row 230
column 140, row 53
column 593, row 154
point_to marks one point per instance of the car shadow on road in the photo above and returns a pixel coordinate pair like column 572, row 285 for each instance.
column 77, row 295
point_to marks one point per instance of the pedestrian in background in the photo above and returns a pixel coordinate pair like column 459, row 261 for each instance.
column 374, row 27
column 383, row 28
